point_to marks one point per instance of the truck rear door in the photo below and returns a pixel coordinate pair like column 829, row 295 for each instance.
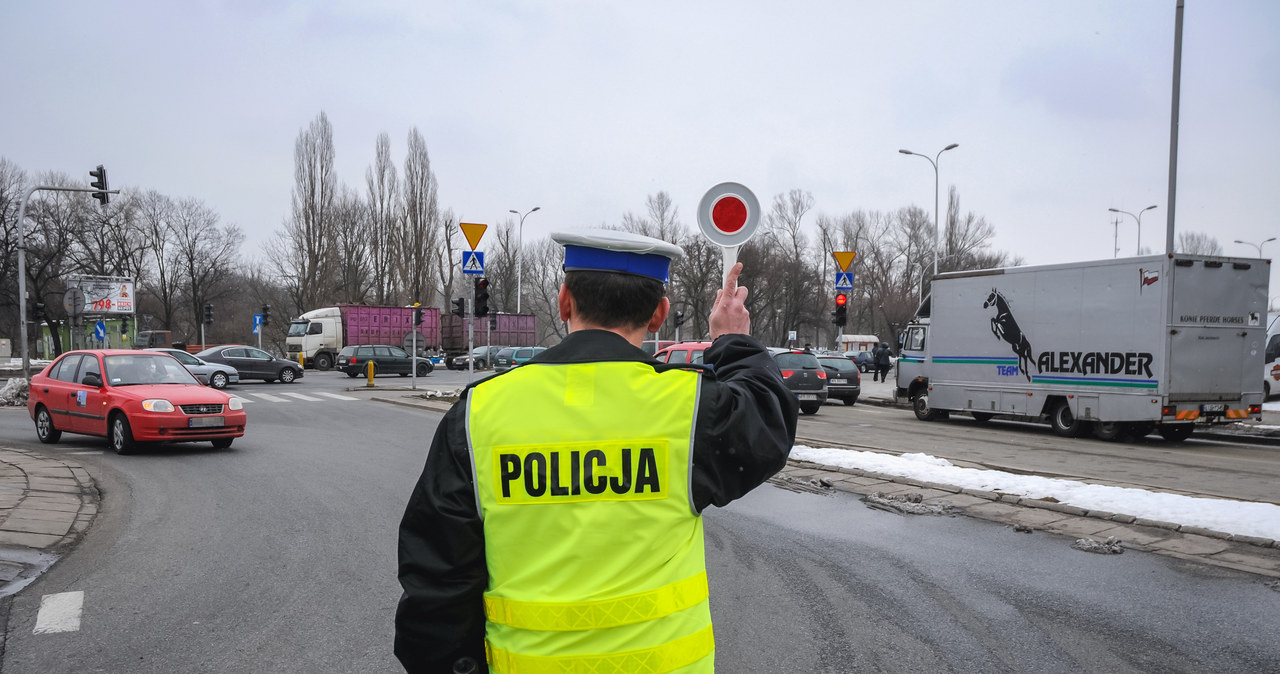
column 1217, row 328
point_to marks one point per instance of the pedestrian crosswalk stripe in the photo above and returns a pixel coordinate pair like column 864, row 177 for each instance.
column 59, row 612
column 302, row 396
column 243, row 399
column 270, row 398
column 336, row 396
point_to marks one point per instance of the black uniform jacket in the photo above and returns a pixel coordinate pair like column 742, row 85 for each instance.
column 745, row 428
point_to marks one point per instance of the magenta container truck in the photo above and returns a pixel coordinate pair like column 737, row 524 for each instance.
column 498, row 330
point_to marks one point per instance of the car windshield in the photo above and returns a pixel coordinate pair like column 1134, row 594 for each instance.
column 298, row 328
column 132, row 369
column 797, row 361
column 838, row 364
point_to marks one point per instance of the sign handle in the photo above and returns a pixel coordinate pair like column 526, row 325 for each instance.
column 730, row 259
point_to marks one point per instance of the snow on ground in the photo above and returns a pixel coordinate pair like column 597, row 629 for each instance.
column 1235, row 517
column 1271, row 406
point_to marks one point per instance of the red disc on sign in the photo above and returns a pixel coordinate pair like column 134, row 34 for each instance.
column 729, row 214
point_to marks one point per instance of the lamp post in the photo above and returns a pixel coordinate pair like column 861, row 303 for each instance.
column 1256, row 245
column 520, row 253
column 1137, row 217
column 937, row 233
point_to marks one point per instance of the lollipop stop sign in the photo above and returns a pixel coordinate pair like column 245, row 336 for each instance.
column 728, row 215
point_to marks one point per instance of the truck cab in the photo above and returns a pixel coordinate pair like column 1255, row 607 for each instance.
column 316, row 336
column 911, row 378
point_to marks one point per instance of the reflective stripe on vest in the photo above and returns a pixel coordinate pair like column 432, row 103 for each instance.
column 593, row 548
column 585, row 615
column 665, row 658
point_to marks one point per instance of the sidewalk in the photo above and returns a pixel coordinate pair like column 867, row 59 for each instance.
column 46, row 505
column 1241, row 553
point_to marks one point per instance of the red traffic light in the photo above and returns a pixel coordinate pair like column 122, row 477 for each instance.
column 842, row 299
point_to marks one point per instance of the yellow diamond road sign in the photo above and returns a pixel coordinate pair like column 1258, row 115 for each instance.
column 844, row 259
column 474, row 232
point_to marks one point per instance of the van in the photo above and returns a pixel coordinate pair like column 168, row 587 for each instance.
column 685, row 352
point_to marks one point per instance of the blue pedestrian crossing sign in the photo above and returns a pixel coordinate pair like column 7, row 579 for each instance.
column 844, row 280
column 472, row 262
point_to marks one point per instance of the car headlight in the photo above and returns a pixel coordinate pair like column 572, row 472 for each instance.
column 157, row 405
column 235, row 404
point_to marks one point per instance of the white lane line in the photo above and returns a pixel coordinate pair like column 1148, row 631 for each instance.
column 303, row 396
column 335, row 396
column 89, row 452
column 244, row 400
column 59, row 613
column 269, row 398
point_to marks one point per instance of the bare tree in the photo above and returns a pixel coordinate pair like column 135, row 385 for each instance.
column 968, row 240
column 55, row 227
column 663, row 221
column 419, row 226
column 500, row 265
column 302, row 252
column 1197, row 243
column 543, row 275
column 13, row 184
column 384, row 213
column 155, row 215
column 353, row 280
column 206, row 255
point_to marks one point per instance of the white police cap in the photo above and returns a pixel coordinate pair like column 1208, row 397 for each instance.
column 617, row 251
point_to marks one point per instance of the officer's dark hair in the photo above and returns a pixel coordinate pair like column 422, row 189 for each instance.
column 612, row 300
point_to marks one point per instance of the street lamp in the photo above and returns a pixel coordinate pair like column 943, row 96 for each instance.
column 937, row 233
column 1137, row 217
column 1256, row 245
column 520, row 254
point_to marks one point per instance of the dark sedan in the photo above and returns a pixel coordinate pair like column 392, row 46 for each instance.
column 804, row 376
column 844, row 383
column 253, row 363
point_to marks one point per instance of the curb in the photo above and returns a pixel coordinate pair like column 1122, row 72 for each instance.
column 46, row 506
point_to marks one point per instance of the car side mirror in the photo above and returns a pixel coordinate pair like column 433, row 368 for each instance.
column 92, row 379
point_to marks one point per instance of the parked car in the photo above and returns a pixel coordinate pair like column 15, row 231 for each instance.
column 515, row 355
column 804, row 375
column 216, row 375
column 253, row 363
column 386, row 359
column 863, row 359
column 484, row 356
column 684, row 352
column 844, row 383
column 130, row 396
column 652, row 346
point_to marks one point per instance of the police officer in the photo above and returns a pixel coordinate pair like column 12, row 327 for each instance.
column 557, row 523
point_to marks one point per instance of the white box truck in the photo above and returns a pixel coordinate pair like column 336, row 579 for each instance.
column 1120, row 347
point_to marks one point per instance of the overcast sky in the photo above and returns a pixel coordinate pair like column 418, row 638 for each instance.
column 1061, row 109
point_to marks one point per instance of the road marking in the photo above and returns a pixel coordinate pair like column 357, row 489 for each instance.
column 270, row 398
column 303, row 396
column 59, row 613
column 244, row 400
column 90, row 452
column 335, row 396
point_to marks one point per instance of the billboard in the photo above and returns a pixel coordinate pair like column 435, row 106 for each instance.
column 104, row 295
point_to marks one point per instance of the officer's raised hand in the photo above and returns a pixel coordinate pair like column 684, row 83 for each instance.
column 729, row 314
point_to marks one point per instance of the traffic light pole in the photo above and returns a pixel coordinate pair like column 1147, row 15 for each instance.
column 471, row 338
column 22, row 267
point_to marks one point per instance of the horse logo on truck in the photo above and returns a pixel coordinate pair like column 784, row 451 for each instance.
column 1005, row 327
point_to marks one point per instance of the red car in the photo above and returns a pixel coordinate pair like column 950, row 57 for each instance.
column 130, row 397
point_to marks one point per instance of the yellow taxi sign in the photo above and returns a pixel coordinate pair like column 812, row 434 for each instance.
column 474, row 232
column 844, row 259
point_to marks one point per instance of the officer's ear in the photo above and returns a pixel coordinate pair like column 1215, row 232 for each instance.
column 659, row 315
column 565, row 301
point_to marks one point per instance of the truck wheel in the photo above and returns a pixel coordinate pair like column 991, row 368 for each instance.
column 923, row 412
column 323, row 362
column 1176, row 432
column 1065, row 423
column 1111, row 431
column 1140, row 429
column 982, row 417
column 1266, row 390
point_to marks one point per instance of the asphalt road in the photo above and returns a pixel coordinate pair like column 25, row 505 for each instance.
column 278, row 555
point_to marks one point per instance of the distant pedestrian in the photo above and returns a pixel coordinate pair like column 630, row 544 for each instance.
column 883, row 362
column 808, row 348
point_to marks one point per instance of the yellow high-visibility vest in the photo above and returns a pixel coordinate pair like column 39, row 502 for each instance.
column 593, row 546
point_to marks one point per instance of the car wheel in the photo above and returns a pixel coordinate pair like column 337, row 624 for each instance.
column 323, row 362
column 1065, row 423
column 480, row 365
column 287, row 375
column 810, row 409
column 1176, row 432
column 920, row 405
column 44, row 427
column 423, row 369
column 353, row 374
column 121, row 437
column 850, row 401
column 1111, row 431
column 218, row 380
column 222, row 443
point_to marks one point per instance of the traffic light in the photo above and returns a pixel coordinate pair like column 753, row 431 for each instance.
column 417, row 315
column 37, row 312
column 460, row 307
column 266, row 315
column 679, row 318
column 208, row 314
column 482, row 297
column 124, row 325
column 101, row 183
column 839, row 316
